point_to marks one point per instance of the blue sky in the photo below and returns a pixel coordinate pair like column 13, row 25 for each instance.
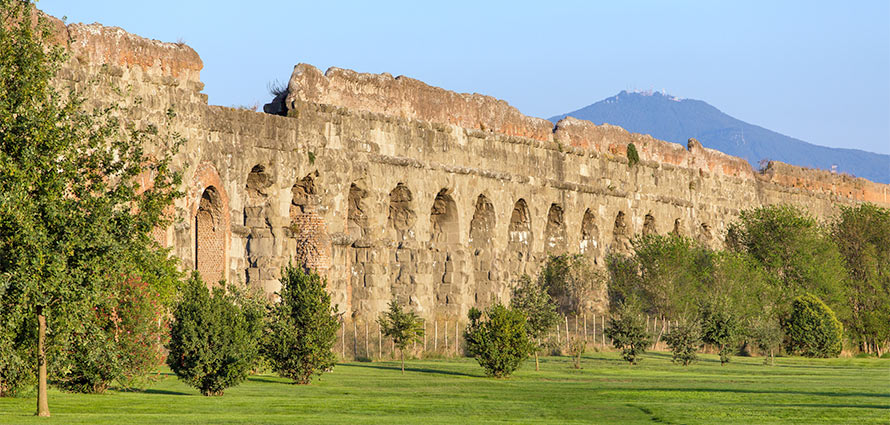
column 818, row 71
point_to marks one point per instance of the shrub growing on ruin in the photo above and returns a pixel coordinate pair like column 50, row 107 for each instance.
column 719, row 327
column 532, row 299
column 302, row 327
column 403, row 327
column 684, row 339
column 812, row 328
column 498, row 339
column 633, row 157
column 214, row 338
column 627, row 330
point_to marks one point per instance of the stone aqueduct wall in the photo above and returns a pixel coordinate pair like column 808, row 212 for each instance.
column 394, row 188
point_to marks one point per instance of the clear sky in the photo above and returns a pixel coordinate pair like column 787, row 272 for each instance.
column 818, row 71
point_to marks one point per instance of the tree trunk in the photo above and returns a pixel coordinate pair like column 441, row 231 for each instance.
column 42, row 403
column 536, row 360
column 402, row 355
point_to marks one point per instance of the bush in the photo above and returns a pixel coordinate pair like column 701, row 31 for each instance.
column 531, row 298
column 121, row 340
column 214, row 340
column 16, row 365
column 812, row 329
column 633, row 157
column 684, row 338
column 577, row 347
column 404, row 327
column 719, row 327
column 627, row 330
column 302, row 327
column 500, row 341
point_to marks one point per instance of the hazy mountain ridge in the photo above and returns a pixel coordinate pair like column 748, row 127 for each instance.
column 676, row 120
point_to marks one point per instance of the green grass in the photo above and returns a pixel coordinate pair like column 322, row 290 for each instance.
column 606, row 390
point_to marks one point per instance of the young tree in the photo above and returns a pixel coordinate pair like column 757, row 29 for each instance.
column 404, row 327
column 532, row 299
column 812, row 328
column 302, row 327
column 862, row 234
column 627, row 330
column 74, row 221
column 214, row 338
column 573, row 283
column 499, row 341
column 684, row 338
column 719, row 327
column 767, row 334
column 577, row 346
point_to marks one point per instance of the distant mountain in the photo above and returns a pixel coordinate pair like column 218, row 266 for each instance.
column 676, row 120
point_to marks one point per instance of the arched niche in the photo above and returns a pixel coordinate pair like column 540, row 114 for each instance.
column 444, row 227
column 401, row 219
column 555, row 230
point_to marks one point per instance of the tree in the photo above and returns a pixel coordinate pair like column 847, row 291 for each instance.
column 627, row 330
column 719, row 327
column 573, row 282
column 684, row 338
column 577, row 346
column 794, row 252
column 532, row 299
column 862, row 234
column 767, row 334
column 302, row 327
column 499, row 341
column 812, row 328
column 74, row 221
column 404, row 327
column 214, row 338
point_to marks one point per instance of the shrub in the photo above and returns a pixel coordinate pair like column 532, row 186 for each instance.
column 719, row 327
column 684, row 338
column 214, row 340
column 577, row 346
column 404, row 327
column 16, row 366
column 633, row 157
column 812, row 329
column 302, row 327
column 531, row 298
column 121, row 340
column 627, row 330
column 500, row 341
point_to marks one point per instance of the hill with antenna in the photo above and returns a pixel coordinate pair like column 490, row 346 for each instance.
column 676, row 120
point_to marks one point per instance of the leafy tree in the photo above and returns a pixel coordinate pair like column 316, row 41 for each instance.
column 812, row 329
column 767, row 334
column 862, row 234
column 74, row 221
column 532, row 299
column 684, row 339
column 627, row 330
column 214, row 338
column 499, row 341
column 302, row 327
column 719, row 327
column 404, row 327
column 573, row 282
column 794, row 252
column 577, row 346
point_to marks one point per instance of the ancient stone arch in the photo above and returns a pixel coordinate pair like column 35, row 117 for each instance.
column 400, row 223
column 555, row 231
column 621, row 235
column 484, row 263
column 356, row 217
column 260, row 245
column 312, row 243
column 678, row 227
column 589, row 235
column 520, row 230
column 649, row 225
column 444, row 226
column 210, row 236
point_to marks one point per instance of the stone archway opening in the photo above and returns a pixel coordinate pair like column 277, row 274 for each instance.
column 649, row 225
column 210, row 255
column 555, row 231
column 520, row 230
column 444, row 228
column 621, row 235
column 589, row 235
column 356, row 216
column 484, row 266
column 312, row 244
column 402, row 217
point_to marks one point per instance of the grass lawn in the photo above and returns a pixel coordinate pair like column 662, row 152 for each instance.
column 606, row 390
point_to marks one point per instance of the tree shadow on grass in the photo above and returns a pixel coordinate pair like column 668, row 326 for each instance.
column 162, row 392
column 397, row 368
column 747, row 391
